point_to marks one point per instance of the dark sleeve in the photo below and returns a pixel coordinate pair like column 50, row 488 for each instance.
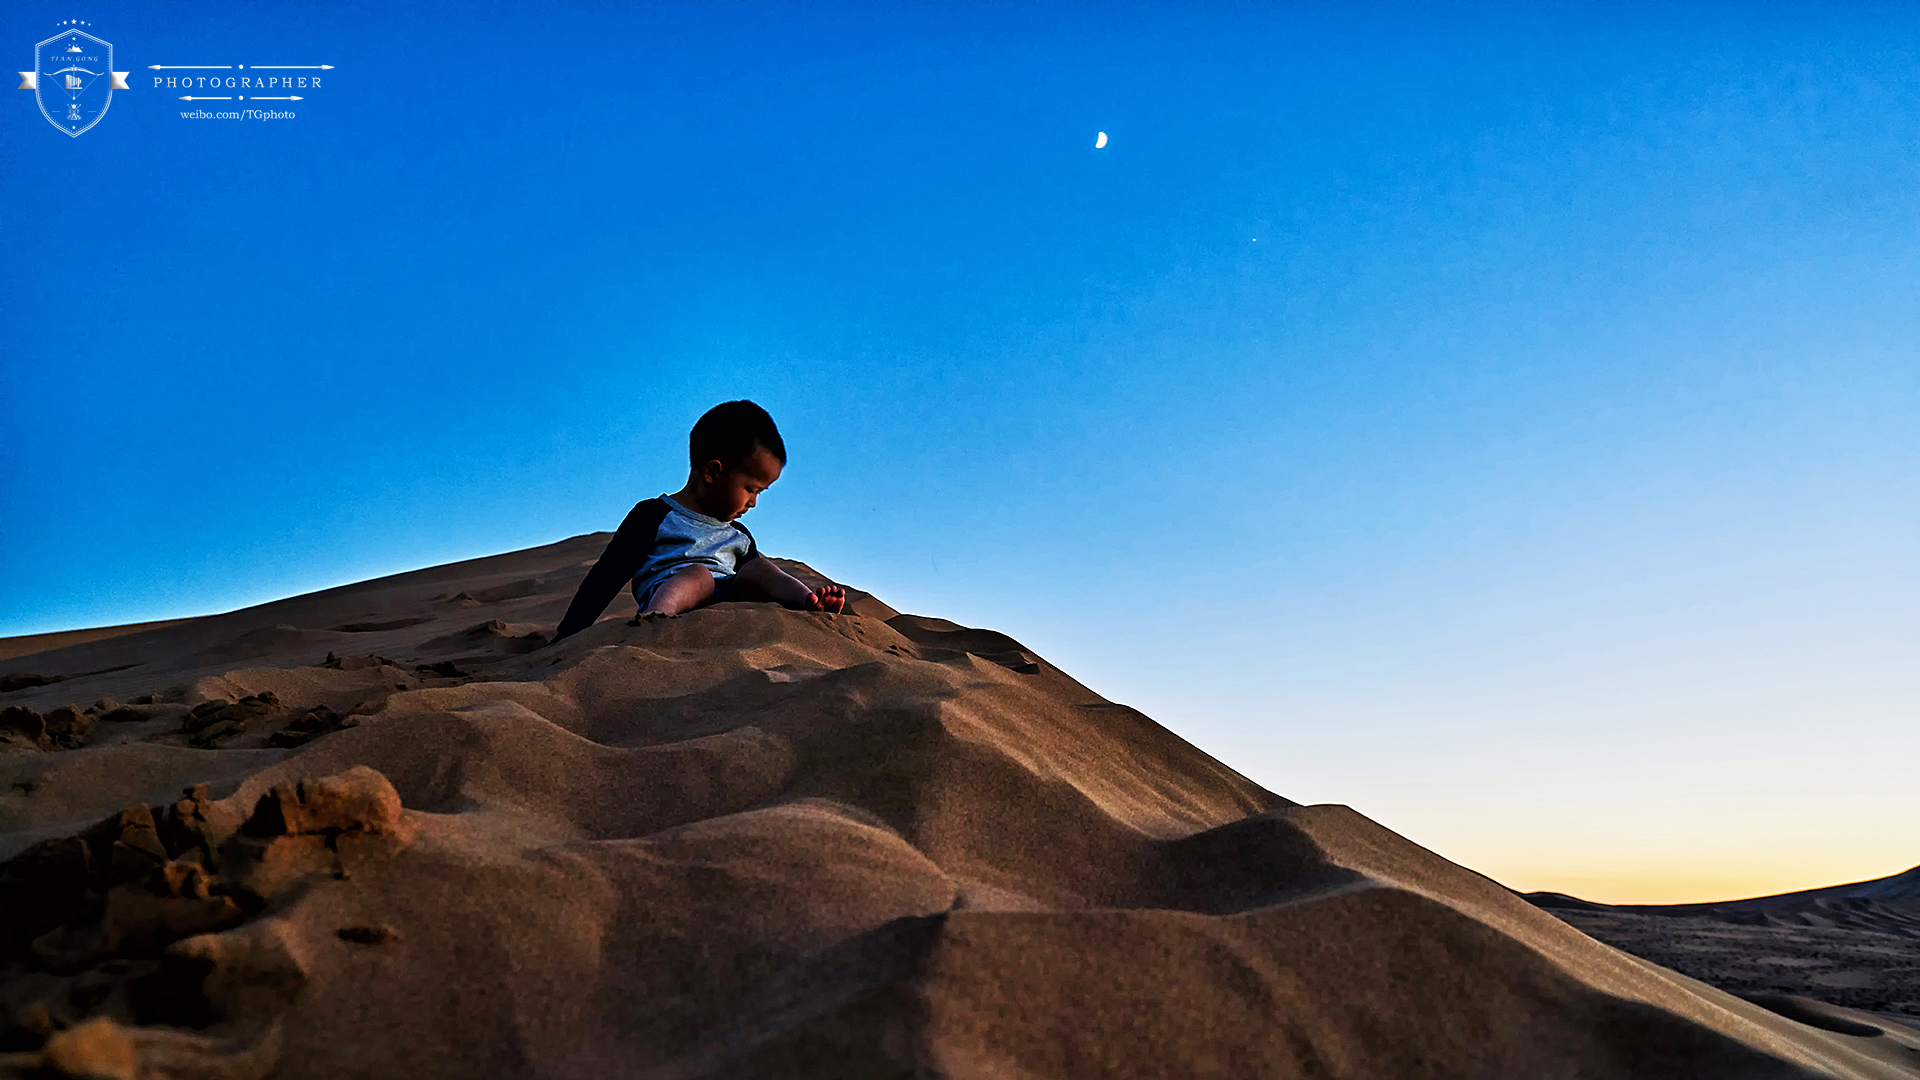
column 753, row 549
column 629, row 548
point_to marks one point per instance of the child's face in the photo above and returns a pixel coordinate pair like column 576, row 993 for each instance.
column 731, row 492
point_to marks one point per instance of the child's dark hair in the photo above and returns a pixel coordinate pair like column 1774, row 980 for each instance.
column 728, row 433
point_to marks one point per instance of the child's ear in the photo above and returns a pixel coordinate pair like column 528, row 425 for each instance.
column 712, row 471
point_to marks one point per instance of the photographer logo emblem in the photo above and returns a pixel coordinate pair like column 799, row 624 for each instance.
column 73, row 79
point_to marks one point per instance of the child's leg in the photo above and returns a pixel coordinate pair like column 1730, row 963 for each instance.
column 785, row 589
column 687, row 589
column 738, row 589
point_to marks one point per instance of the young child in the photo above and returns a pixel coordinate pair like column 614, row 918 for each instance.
column 686, row 549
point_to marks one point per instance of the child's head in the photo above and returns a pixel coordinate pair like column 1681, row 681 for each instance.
column 735, row 453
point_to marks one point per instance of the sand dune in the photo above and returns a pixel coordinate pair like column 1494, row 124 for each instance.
column 26, row 644
column 1888, row 905
column 1857, row 944
column 417, row 840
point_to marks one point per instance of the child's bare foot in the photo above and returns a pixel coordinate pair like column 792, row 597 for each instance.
column 828, row 598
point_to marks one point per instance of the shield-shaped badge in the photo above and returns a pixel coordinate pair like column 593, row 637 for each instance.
column 74, row 80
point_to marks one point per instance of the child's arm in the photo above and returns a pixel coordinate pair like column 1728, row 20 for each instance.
column 788, row 590
column 624, row 554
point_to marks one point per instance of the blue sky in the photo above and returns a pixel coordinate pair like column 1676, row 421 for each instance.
column 1500, row 419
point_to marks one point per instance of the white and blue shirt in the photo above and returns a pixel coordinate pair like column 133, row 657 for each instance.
column 659, row 538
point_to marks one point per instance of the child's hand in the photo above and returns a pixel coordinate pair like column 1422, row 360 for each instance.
column 829, row 598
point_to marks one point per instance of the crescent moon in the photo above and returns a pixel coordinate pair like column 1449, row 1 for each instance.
column 1101, row 141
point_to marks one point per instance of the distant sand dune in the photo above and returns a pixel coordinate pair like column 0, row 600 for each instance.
column 12, row 648
column 1856, row 944
column 418, row 840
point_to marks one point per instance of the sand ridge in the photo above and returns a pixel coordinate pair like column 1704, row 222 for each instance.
column 417, row 839
column 1855, row 945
